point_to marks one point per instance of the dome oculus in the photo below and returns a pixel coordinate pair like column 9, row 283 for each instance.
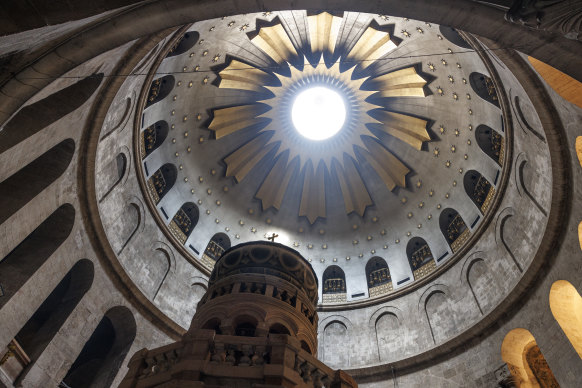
column 280, row 132
column 318, row 113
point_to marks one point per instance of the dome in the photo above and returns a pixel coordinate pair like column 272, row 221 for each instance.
column 425, row 167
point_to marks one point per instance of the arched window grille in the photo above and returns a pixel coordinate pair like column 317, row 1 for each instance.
column 334, row 285
column 378, row 277
column 420, row 258
column 454, row 229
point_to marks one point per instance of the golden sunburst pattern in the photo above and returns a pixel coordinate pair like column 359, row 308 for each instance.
column 348, row 74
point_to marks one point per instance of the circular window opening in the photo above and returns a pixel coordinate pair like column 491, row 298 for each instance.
column 318, row 113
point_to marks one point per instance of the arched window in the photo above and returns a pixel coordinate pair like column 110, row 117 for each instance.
column 491, row 142
column 525, row 360
column 126, row 227
column 185, row 43
column 36, row 116
column 483, row 86
column 152, row 137
column 20, row 264
column 420, row 258
column 47, row 320
column 378, row 276
column 160, row 89
column 215, row 248
column 17, row 190
column 112, row 174
column 334, row 285
column 454, row 229
column 100, row 359
column 184, row 221
column 162, row 181
column 566, row 306
column 478, row 189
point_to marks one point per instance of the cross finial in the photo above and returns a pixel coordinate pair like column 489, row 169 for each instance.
column 272, row 237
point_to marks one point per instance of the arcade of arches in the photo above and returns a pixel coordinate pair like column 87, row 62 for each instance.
column 140, row 141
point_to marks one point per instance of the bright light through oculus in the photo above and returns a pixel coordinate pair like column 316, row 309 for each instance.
column 318, row 113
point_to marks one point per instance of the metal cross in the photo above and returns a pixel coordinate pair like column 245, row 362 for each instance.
column 272, row 237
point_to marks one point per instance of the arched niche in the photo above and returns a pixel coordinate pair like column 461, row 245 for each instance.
column 335, row 353
column 159, row 89
column 185, row 43
column 102, row 355
column 440, row 315
column 17, row 190
column 566, row 306
column 162, row 181
column 126, row 226
column 334, row 285
column 215, row 248
column 112, row 174
column 454, row 228
column 151, row 272
column 34, row 117
column 479, row 189
column 47, row 320
column 378, row 277
column 491, row 142
column 525, row 360
column 483, row 86
column 184, row 221
column 387, row 327
column 152, row 137
column 420, row 257
column 24, row 260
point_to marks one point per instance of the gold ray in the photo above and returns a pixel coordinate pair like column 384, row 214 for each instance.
column 401, row 83
column 241, row 161
column 313, row 196
column 230, row 120
column 390, row 169
column 275, row 42
column 239, row 75
column 323, row 32
column 356, row 196
column 273, row 189
column 372, row 45
column 410, row 130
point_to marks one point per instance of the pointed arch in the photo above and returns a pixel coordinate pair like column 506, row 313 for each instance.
column 454, row 228
column 566, row 306
column 479, row 189
column 19, row 189
column 334, row 285
column 184, row 221
column 34, row 117
column 152, row 137
column 491, row 142
column 378, row 277
column 162, row 181
column 420, row 257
